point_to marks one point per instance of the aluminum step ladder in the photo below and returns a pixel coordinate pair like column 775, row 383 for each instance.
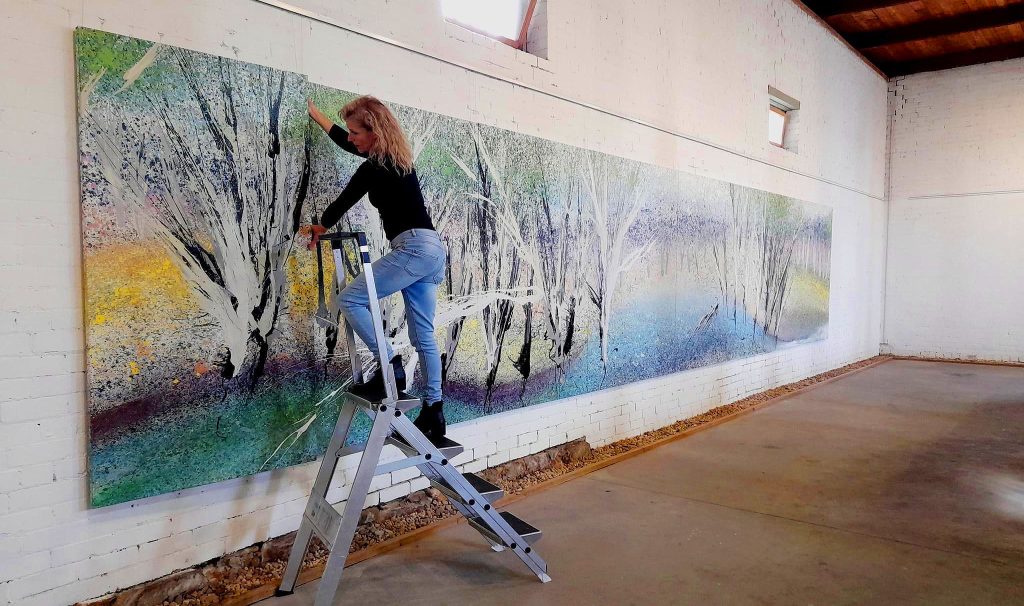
column 470, row 494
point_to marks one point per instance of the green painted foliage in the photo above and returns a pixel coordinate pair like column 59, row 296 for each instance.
column 109, row 56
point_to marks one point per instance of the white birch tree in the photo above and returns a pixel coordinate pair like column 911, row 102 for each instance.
column 503, row 238
column 561, row 242
column 217, row 180
column 615, row 196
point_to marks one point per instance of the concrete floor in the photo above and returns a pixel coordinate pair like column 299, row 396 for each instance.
column 901, row 484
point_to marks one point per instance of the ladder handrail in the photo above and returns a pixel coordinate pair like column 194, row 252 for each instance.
column 337, row 240
column 342, row 235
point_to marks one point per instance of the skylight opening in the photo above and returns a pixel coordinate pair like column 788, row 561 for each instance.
column 504, row 20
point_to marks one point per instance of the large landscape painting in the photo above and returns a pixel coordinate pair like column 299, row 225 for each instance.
column 570, row 270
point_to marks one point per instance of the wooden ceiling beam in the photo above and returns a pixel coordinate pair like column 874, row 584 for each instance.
column 825, row 25
column 831, row 8
column 987, row 54
column 945, row 26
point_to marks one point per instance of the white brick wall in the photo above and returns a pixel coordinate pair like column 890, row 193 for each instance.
column 954, row 283
column 692, row 67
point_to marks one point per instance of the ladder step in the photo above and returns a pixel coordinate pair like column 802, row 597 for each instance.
column 449, row 448
column 488, row 491
column 530, row 534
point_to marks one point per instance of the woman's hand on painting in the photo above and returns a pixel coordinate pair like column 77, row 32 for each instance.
column 318, row 116
column 313, row 232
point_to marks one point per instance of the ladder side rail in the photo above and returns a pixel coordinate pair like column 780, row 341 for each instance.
column 428, row 471
column 501, row 529
column 378, row 327
column 353, row 507
column 425, row 467
column 481, row 507
column 328, row 466
column 291, row 572
column 442, row 468
column 331, row 457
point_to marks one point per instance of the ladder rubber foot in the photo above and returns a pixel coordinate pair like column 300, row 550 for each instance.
column 281, row 593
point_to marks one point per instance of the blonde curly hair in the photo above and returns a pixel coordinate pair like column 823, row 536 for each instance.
column 375, row 117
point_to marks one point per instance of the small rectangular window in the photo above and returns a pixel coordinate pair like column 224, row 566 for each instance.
column 781, row 108
column 507, row 21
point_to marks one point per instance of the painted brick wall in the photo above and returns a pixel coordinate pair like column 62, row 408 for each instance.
column 697, row 68
column 954, row 280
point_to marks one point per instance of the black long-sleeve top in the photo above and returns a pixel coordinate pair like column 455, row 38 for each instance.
column 396, row 197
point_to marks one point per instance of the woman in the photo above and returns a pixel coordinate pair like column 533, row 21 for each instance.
column 416, row 263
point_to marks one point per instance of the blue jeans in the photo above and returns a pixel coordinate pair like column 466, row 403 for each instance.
column 415, row 266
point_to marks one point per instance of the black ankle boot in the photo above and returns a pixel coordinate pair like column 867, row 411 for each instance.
column 431, row 421
column 373, row 388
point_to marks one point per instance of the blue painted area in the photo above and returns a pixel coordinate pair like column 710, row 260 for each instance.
column 212, row 441
column 649, row 337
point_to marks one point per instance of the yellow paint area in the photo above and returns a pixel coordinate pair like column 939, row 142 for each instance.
column 808, row 291
column 300, row 270
column 806, row 306
column 134, row 292
column 124, row 277
column 302, row 289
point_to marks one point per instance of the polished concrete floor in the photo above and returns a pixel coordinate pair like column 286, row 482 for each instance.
column 900, row 484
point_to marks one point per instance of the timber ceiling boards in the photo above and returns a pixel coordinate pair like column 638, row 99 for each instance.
column 908, row 36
